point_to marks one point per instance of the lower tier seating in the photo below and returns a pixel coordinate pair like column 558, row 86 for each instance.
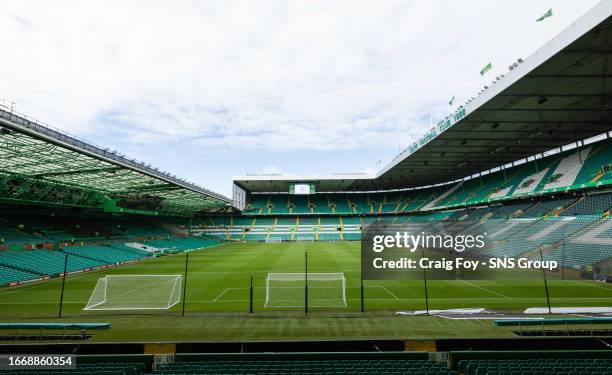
column 313, row 367
column 45, row 262
column 105, row 254
column 10, row 275
column 87, row 369
column 536, row 366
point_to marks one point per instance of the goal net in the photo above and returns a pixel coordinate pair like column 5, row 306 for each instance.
column 287, row 290
column 135, row 292
column 274, row 240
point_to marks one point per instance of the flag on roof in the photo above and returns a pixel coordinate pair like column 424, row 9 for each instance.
column 545, row 15
column 486, row 69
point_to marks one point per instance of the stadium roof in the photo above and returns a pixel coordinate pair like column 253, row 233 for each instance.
column 561, row 94
column 41, row 165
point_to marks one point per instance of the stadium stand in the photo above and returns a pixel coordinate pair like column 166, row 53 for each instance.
column 104, row 254
column 592, row 204
column 313, row 367
column 10, row 275
column 181, row 244
column 104, row 368
column 545, row 207
column 566, row 229
column 587, row 366
column 35, row 246
column 45, row 262
column 589, row 246
column 569, row 170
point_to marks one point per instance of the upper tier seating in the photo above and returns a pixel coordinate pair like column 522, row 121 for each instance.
column 592, row 164
column 566, row 172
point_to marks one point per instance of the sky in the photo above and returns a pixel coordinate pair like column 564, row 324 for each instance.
column 210, row 90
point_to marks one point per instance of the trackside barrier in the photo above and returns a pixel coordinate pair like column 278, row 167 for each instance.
column 55, row 325
column 540, row 322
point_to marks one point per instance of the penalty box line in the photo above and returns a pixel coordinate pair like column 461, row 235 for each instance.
column 483, row 288
column 220, row 295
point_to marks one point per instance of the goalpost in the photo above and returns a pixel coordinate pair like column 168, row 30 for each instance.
column 287, row 290
column 135, row 292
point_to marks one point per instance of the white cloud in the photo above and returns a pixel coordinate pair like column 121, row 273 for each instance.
column 268, row 75
column 271, row 170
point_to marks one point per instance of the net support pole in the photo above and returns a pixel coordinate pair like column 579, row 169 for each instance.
column 563, row 262
column 425, row 287
column 545, row 283
column 251, row 296
column 306, row 282
column 59, row 314
column 185, row 283
column 361, row 296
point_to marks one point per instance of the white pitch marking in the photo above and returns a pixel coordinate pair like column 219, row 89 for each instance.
column 221, row 295
column 586, row 283
column 355, row 299
column 388, row 291
column 483, row 288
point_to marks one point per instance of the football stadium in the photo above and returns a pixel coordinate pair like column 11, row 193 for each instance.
column 109, row 265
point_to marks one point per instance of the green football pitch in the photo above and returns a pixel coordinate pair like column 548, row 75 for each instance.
column 218, row 295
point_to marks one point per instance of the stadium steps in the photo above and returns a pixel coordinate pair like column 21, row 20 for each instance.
column 599, row 175
column 432, row 204
column 398, row 203
column 568, row 208
column 544, row 207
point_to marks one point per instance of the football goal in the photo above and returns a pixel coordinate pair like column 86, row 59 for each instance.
column 135, row 292
column 287, row 290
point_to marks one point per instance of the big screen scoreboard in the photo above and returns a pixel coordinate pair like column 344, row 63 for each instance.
column 301, row 189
